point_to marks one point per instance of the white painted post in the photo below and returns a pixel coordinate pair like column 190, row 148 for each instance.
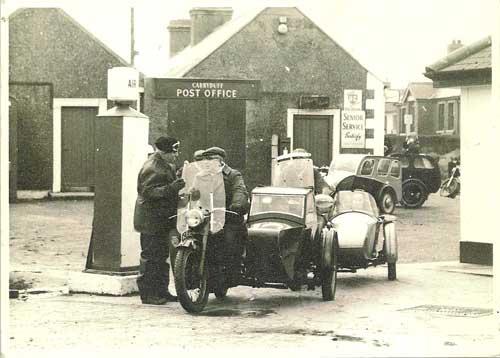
column 4, row 178
column 494, row 177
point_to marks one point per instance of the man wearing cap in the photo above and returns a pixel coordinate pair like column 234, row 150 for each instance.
column 157, row 189
column 235, row 231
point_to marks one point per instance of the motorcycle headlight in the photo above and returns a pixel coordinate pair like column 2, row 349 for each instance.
column 193, row 218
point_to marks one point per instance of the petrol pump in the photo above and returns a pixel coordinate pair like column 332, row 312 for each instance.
column 121, row 147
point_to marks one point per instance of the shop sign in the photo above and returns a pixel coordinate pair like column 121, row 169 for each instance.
column 353, row 99
column 206, row 88
column 353, row 125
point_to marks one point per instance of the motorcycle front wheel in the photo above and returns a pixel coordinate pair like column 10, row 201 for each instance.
column 329, row 273
column 191, row 287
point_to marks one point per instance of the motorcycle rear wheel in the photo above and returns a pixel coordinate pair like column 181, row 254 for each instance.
column 191, row 288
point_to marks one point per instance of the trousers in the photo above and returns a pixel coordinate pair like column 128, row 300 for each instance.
column 154, row 271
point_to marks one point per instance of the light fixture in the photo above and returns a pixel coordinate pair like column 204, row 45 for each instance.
column 282, row 27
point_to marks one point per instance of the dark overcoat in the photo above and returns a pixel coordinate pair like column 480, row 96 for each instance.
column 156, row 199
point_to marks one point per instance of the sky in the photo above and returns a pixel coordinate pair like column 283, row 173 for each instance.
column 394, row 39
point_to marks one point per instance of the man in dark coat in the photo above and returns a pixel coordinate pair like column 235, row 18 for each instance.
column 157, row 188
column 235, row 231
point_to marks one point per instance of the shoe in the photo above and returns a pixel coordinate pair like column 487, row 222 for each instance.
column 168, row 297
column 153, row 300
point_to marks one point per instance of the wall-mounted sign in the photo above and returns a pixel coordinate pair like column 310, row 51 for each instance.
column 408, row 119
column 206, row 88
column 352, row 129
column 353, row 99
column 314, row 102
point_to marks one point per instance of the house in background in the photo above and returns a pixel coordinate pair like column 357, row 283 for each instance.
column 426, row 110
column 257, row 84
column 392, row 110
column 469, row 69
column 58, row 84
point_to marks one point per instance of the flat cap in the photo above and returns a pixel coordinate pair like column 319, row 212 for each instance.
column 215, row 151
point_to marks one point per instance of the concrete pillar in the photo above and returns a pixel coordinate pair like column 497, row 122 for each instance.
column 4, row 177
column 121, row 148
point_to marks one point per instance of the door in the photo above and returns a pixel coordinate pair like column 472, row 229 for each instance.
column 226, row 129
column 77, row 161
column 314, row 134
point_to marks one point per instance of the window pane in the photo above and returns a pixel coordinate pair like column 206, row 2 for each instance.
column 451, row 115
column 395, row 169
column 383, row 166
column 441, row 116
column 367, row 167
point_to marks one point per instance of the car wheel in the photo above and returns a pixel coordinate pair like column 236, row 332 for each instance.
column 387, row 202
column 414, row 194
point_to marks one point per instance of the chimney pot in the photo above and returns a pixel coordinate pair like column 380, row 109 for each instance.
column 204, row 20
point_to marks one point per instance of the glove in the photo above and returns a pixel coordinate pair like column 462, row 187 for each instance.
column 237, row 209
column 178, row 184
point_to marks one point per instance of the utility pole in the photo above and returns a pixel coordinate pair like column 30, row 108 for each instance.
column 133, row 52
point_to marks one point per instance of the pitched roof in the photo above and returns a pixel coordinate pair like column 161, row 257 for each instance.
column 191, row 56
column 75, row 23
column 418, row 90
column 476, row 56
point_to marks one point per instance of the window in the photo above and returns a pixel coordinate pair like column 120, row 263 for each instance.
column 441, row 116
column 367, row 167
column 422, row 163
column 412, row 113
column 395, row 169
column 383, row 166
column 451, row 116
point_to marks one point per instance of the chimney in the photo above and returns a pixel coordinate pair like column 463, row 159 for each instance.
column 180, row 35
column 455, row 45
column 204, row 20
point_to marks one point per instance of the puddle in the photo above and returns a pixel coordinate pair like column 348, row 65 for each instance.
column 235, row 313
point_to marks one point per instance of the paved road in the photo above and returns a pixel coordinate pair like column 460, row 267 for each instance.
column 56, row 233
column 370, row 316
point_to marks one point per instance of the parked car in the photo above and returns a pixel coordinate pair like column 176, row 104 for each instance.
column 378, row 175
column 421, row 176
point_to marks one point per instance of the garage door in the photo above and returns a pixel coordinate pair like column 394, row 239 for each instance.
column 78, row 148
column 314, row 134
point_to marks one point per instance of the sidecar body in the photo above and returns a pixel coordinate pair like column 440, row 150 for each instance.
column 365, row 237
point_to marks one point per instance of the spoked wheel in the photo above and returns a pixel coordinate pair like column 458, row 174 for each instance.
column 414, row 194
column 329, row 271
column 191, row 288
column 449, row 188
column 387, row 202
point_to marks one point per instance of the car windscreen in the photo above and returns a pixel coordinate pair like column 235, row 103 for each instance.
column 287, row 204
column 347, row 163
column 355, row 200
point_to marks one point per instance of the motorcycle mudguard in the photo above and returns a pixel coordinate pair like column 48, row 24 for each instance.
column 272, row 251
column 390, row 242
column 327, row 247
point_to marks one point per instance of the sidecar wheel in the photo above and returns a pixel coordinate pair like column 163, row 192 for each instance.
column 329, row 275
column 191, row 288
column 391, row 271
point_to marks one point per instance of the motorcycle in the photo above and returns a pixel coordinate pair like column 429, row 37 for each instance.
column 200, row 222
column 289, row 243
column 451, row 187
